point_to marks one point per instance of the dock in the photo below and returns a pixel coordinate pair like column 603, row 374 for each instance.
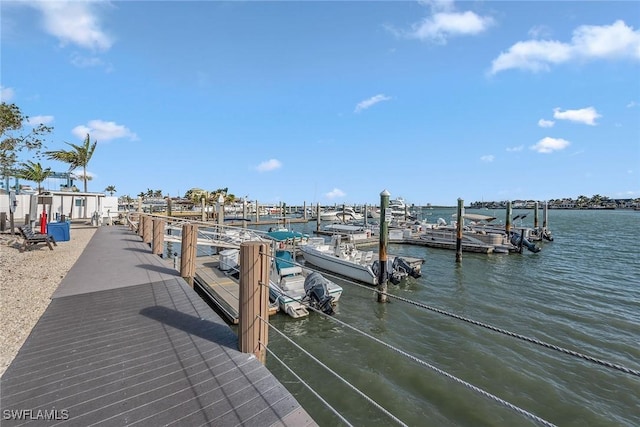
column 126, row 341
column 222, row 290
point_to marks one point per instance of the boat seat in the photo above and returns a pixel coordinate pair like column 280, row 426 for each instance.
column 288, row 271
column 368, row 256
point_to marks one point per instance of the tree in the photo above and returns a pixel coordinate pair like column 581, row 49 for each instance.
column 13, row 139
column 32, row 171
column 111, row 189
column 78, row 157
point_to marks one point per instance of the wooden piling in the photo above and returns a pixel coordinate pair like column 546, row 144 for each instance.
column 459, row 226
column 253, row 331
column 507, row 223
column 158, row 236
column 3, row 221
column 141, row 219
column 382, row 248
column 535, row 215
column 203, row 216
column 147, row 230
column 188, row 252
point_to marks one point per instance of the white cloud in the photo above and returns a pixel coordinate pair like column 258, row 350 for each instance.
column 549, row 145
column 37, row 120
column 335, row 193
column 102, row 131
column 632, row 104
column 363, row 105
column 444, row 23
column 587, row 115
column 75, row 22
column 545, row 123
column 269, row 165
column 487, row 158
column 587, row 43
column 6, row 94
column 518, row 148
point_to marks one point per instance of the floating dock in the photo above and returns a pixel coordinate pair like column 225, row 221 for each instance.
column 222, row 289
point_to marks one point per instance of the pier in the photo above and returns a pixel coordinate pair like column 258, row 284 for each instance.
column 125, row 340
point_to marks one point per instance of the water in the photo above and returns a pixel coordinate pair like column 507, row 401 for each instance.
column 581, row 292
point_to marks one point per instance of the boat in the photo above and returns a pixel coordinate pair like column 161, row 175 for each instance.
column 344, row 259
column 346, row 214
column 292, row 287
column 399, row 209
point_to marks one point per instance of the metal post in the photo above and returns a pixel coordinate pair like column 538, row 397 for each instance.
column 459, row 226
column 382, row 249
column 253, row 331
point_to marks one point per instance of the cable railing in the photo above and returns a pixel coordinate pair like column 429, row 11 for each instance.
column 218, row 232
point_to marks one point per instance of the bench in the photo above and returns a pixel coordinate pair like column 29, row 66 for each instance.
column 31, row 238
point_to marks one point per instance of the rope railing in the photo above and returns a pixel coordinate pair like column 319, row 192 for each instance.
column 536, row 341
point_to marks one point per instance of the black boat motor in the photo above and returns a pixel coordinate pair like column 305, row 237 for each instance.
column 315, row 288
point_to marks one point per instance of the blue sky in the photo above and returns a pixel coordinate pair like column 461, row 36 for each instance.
column 332, row 102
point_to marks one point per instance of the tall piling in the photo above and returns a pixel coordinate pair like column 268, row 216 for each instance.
column 385, row 219
column 459, row 226
column 188, row 252
column 507, row 223
column 253, row 331
column 158, row 236
column 147, row 230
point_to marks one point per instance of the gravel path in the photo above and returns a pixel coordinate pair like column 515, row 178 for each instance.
column 27, row 281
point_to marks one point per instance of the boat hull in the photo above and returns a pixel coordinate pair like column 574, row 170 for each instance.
column 328, row 262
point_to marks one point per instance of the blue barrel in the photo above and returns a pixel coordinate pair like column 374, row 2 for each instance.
column 59, row 230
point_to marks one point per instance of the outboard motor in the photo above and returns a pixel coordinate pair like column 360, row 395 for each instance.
column 517, row 239
column 403, row 266
column 315, row 288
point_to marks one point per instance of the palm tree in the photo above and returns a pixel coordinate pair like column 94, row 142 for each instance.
column 111, row 189
column 32, row 171
column 78, row 157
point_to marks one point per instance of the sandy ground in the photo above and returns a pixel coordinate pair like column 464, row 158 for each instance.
column 27, row 281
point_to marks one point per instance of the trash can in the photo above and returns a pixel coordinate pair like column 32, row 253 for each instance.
column 59, row 231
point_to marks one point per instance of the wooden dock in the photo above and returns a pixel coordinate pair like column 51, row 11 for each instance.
column 222, row 289
column 126, row 341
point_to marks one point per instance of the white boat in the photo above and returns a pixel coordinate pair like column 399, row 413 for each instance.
column 292, row 287
column 345, row 215
column 346, row 260
column 399, row 209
